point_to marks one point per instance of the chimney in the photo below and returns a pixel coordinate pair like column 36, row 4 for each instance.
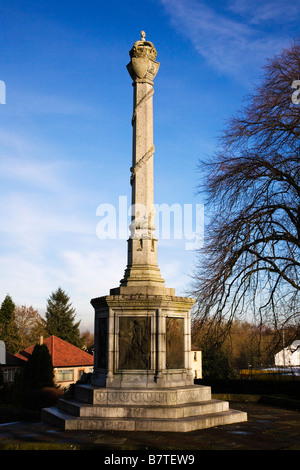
column 41, row 339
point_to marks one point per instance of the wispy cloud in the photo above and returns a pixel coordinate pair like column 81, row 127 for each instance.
column 34, row 103
column 235, row 38
column 85, row 266
column 26, row 160
column 42, row 214
column 84, row 271
column 257, row 12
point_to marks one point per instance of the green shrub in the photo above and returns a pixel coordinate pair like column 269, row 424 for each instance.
column 215, row 363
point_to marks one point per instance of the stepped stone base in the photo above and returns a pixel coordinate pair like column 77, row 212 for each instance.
column 181, row 409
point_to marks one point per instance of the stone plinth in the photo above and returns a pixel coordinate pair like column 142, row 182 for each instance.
column 182, row 409
column 142, row 378
column 142, row 339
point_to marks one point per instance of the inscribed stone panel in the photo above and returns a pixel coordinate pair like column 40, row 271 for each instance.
column 174, row 343
column 134, row 343
column 102, row 342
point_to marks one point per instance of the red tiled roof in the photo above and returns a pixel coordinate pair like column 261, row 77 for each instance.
column 63, row 354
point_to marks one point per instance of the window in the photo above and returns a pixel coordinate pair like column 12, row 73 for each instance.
column 64, row 375
column 195, row 356
column 9, row 375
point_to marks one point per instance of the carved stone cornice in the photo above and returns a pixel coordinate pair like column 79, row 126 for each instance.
column 142, row 302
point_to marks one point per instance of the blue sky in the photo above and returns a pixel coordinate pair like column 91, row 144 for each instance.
column 65, row 132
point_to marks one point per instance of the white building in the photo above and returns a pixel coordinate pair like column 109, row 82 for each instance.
column 2, row 353
column 289, row 356
column 196, row 357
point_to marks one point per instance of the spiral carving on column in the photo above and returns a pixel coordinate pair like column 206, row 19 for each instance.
column 151, row 150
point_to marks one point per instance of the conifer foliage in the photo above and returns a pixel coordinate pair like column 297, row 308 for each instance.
column 39, row 368
column 8, row 328
column 60, row 318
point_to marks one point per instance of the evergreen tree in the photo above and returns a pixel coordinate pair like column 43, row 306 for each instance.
column 7, row 310
column 215, row 363
column 60, row 318
column 39, row 368
column 8, row 328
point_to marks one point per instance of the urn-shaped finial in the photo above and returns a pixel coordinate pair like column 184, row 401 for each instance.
column 143, row 66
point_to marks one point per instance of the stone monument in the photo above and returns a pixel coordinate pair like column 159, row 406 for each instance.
column 142, row 376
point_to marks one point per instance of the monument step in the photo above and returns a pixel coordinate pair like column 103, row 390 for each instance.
column 64, row 421
column 142, row 411
column 145, row 396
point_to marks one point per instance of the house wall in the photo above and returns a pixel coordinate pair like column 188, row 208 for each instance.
column 196, row 361
column 287, row 358
column 2, row 352
column 65, row 376
column 9, row 373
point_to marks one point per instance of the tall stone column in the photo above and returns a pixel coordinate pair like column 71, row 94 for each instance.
column 142, row 333
column 142, row 269
column 142, row 379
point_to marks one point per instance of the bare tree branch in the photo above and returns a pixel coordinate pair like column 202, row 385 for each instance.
column 251, row 258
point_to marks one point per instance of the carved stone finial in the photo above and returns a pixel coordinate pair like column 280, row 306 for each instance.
column 143, row 65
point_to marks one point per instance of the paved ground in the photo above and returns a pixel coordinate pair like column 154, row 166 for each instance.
column 268, row 428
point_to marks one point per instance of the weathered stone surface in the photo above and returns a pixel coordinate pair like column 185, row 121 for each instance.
column 142, row 376
column 166, row 396
column 170, row 410
column 174, row 343
column 139, row 318
column 137, row 340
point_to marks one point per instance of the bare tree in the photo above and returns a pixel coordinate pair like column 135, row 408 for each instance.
column 250, row 262
column 30, row 325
